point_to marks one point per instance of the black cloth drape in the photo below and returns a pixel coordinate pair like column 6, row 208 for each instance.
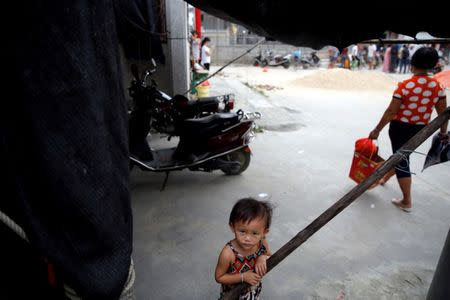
column 64, row 142
column 337, row 23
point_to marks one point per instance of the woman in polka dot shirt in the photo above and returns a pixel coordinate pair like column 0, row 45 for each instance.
column 409, row 111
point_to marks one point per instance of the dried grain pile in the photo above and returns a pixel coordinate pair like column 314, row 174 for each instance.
column 343, row 79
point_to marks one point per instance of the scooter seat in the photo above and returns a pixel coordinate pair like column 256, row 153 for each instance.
column 190, row 109
column 209, row 124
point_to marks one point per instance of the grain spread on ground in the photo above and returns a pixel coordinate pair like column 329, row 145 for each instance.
column 343, row 79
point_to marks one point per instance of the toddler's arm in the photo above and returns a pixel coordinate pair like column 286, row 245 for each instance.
column 261, row 261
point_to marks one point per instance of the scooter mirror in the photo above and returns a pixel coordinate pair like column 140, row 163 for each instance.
column 152, row 66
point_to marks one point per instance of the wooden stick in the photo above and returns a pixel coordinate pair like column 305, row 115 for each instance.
column 409, row 41
column 347, row 199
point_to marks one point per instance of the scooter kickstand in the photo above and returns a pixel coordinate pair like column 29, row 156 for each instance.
column 165, row 181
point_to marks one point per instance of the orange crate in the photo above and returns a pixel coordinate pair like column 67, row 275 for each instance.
column 362, row 166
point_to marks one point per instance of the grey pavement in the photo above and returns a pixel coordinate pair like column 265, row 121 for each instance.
column 371, row 250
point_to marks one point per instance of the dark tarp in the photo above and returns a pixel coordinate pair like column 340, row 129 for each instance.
column 140, row 30
column 64, row 144
column 338, row 23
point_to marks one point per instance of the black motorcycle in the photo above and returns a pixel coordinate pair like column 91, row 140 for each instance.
column 167, row 112
column 219, row 141
column 310, row 61
column 259, row 60
column 272, row 60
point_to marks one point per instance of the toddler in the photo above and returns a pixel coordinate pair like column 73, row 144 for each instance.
column 243, row 259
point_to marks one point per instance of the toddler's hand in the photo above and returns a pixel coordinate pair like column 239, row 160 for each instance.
column 261, row 265
column 251, row 278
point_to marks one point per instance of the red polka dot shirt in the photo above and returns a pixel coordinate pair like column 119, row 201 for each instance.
column 419, row 95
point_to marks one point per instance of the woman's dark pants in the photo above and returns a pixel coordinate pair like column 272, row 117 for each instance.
column 400, row 133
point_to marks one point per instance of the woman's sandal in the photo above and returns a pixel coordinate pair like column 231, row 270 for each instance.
column 397, row 204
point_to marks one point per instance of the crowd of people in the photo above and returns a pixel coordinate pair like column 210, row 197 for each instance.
column 394, row 58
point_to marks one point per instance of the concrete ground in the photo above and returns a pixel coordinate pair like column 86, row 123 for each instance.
column 372, row 250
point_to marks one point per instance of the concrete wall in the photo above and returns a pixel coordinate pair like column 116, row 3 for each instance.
column 178, row 45
column 226, row 47
column 173, row 76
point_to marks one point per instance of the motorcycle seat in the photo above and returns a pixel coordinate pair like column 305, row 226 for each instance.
column 209, row 124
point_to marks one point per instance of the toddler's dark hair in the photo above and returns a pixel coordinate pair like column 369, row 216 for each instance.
column 249, row 209
column 425, row 58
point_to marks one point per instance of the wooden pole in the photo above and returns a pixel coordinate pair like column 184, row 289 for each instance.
column 410, row 41
column 347, row 199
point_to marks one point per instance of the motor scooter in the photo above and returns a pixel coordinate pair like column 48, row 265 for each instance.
column 259, row 60
column 272, row 60
column 310, row 61
column 218, row 141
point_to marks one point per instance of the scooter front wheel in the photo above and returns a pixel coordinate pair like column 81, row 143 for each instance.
column 242, row 156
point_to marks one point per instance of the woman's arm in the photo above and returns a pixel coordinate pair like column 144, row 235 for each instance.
column 388, row 116
column 441, row 105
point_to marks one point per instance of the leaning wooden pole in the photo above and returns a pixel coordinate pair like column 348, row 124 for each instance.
column 347, row 199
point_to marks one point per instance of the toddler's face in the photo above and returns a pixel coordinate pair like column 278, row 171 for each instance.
column 249, row 234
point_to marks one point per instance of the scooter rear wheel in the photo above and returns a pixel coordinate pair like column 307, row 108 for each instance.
column 242, row 156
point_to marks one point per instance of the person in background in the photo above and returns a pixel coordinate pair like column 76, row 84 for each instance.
column 409, row 111
column 353, row 56
column 195, row 48
column 206, row 53
column 333, row 54
column 297, row 55
column 387, row 59
column 404, row 59
column 344, row 59
column 371, row 51
column 394, row 58
column 379, row 56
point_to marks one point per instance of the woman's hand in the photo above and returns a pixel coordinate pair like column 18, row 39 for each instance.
column 251, row 278
column 374, row 134
column 444, row 138
column 261, row 265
